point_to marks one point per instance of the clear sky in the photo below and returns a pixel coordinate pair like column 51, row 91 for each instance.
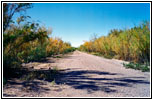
column 76, row 22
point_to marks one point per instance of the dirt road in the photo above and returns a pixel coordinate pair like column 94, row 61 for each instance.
column 85, row 75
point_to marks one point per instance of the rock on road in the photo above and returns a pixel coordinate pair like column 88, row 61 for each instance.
column 85, row 75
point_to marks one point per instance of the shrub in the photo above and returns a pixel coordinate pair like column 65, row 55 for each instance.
column 129, row 44
column 36, row 54
column 137, row 66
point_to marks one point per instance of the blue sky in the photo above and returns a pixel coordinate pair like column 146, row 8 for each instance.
column 76, row 22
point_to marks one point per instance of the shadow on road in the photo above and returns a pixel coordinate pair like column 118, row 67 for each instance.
column 78, row 79
column 30, row 80
column 81, row 80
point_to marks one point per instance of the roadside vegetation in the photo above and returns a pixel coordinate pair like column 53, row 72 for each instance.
column 130, row 44
column 26, row 41
column 137, row 66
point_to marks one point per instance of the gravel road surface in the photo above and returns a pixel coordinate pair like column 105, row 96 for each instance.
column 84, row 75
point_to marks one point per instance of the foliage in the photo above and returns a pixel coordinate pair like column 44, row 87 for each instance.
column 26, row 41
column 129, row 44
column 30, row 42
column 57, row 46
column 71, row 49
column 137, row 66
column 36, row 54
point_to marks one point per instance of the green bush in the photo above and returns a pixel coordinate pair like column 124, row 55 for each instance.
column 36, row 54
column 137, row 66
column 69, row 50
